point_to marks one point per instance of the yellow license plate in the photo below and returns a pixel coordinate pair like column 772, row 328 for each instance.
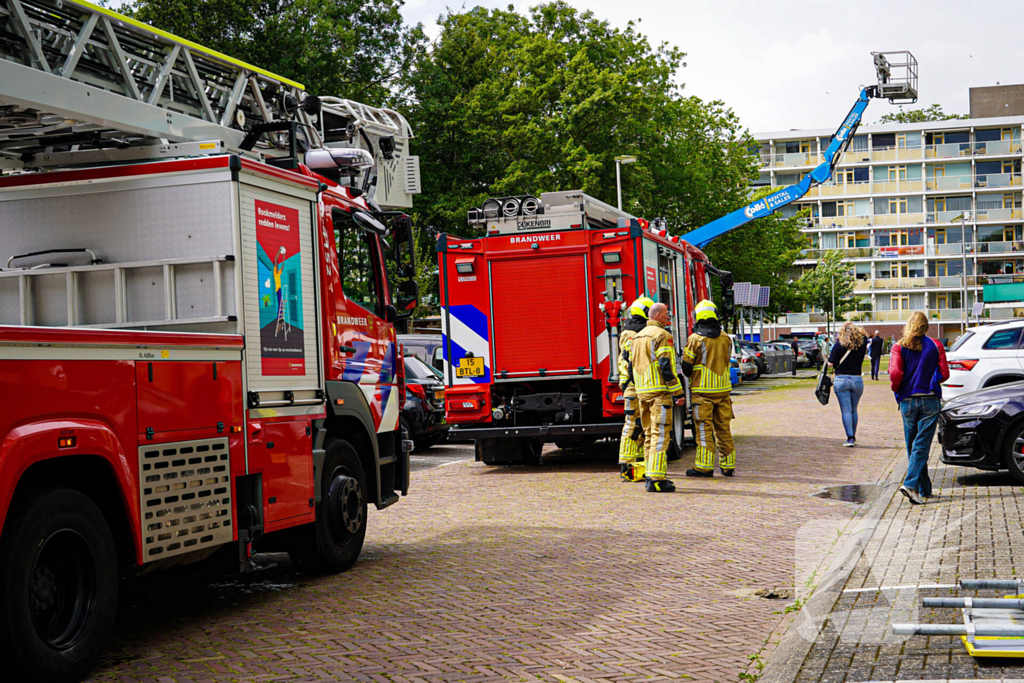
column 439, row 395
column 470, row 367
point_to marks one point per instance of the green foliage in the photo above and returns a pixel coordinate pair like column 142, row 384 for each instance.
column 355, row 49
column 762, row 252
column 816, row 286
column 512, row 104
column 931, row 113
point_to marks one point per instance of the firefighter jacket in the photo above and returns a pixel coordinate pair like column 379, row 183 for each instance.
column 706, row 359
column 630, row 330
column 652, row 362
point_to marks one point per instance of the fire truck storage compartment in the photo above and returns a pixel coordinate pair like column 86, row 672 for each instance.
column 532, row 336
column 201, row 247
column 144, row 228
column 180, row 395
column 283, row 457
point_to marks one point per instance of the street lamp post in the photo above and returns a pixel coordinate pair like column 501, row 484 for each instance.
column 833, row 305
column 964, row 217
column 619, row 161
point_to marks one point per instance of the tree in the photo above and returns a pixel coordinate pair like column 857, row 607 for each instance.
column 506, row 104
column 931, row 113
column 354, row 49
column 762, row 252
column 830, row 281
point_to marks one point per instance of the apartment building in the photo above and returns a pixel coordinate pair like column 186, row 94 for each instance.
column 924, row 214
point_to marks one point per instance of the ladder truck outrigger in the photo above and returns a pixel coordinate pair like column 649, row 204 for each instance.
column 198, row 356
column 519, row 373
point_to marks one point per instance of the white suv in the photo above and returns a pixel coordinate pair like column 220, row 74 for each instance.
column 984, row 357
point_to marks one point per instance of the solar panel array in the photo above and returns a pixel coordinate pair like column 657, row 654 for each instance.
column 747, row 294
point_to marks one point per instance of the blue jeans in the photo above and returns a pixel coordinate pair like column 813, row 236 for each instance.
column 920, row 417
column 848, row 392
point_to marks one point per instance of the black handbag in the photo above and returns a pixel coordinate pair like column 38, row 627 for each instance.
column 824, row 389
column 823, row 392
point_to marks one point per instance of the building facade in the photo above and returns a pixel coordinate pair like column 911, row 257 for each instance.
column 924, row 214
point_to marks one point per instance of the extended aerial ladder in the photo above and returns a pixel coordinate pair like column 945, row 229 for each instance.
column 897, row 82
column 80, row 84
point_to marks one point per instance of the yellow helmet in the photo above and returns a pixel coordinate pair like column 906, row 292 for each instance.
column 641, row 306
column 707, row 310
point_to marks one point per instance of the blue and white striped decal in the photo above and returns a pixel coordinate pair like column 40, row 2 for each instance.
column 467, row 330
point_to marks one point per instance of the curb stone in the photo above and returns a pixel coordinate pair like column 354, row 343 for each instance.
column 788, row 656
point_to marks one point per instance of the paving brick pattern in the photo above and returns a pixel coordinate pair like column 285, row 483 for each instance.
column 553, row 573
column 973, row 529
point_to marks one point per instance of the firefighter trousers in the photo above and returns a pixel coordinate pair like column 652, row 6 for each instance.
column 631, row 443
column 711, row 416
column 656, row 417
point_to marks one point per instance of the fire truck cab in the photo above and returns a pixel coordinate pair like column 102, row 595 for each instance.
column 531, row 311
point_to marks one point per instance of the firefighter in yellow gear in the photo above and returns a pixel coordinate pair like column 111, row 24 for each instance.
column 652, row 368
column 706, row 362
column 631, row 443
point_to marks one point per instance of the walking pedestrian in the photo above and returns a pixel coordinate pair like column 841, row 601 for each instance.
column 796, row 352
column 917, row 368
column 875, row 346
column 847, row 359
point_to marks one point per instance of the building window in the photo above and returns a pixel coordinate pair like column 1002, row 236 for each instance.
column 897, row 205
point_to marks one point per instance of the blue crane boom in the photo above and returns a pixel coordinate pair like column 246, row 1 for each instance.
column 900, row 89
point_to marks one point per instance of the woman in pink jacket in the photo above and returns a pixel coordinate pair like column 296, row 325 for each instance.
column 917, row 367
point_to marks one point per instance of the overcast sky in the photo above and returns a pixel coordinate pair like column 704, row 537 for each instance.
column 799, row 64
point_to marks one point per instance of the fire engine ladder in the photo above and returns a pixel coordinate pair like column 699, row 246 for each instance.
column 80, row 83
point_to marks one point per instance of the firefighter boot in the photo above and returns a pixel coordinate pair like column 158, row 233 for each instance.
column 728, row 473
column 692, row 472
column 630, row 472
column 660, row 486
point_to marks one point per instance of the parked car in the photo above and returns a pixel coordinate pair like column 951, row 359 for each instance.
column 760, row 358
column 985, row 429
column 801, row 354
column 423, row 413
column 985, row 356
column 744, row 361
column 427, row 347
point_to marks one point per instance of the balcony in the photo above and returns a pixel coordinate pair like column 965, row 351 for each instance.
column 997, row 214
column 948, row 150
column 896, row 154
column 953, row 182
column 803, row 318
column 1000, row 247
column 856, row 252
column 991, row 180
column 795, row 159
column 904, row 315
column 998, row 147
column 904, row 283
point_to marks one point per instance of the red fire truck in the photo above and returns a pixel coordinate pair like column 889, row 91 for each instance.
column 197, row 345
column 530, row 315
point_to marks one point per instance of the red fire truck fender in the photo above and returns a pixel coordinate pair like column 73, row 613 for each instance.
column 36, row 442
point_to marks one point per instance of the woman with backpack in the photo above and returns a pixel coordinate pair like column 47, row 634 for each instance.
column 917, row 368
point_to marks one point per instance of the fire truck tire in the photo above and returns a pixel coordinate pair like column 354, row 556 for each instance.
column 332, row 543
column 58, row 586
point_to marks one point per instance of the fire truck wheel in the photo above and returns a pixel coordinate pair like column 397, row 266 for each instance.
column 333, row 542
column 58, row 585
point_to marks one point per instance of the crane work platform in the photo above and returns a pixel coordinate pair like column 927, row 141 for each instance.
column 897, row 76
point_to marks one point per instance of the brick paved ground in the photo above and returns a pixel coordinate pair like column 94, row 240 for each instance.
column 972, row 530
column 555, row 572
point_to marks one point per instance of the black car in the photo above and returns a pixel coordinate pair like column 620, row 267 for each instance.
column 985, row 429
column 757, row 355
column 423, row 413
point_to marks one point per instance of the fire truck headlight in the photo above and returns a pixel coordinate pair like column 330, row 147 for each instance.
column 491, row 208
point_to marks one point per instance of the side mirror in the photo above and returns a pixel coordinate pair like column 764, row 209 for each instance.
column 408, row 298
column 390, row 314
